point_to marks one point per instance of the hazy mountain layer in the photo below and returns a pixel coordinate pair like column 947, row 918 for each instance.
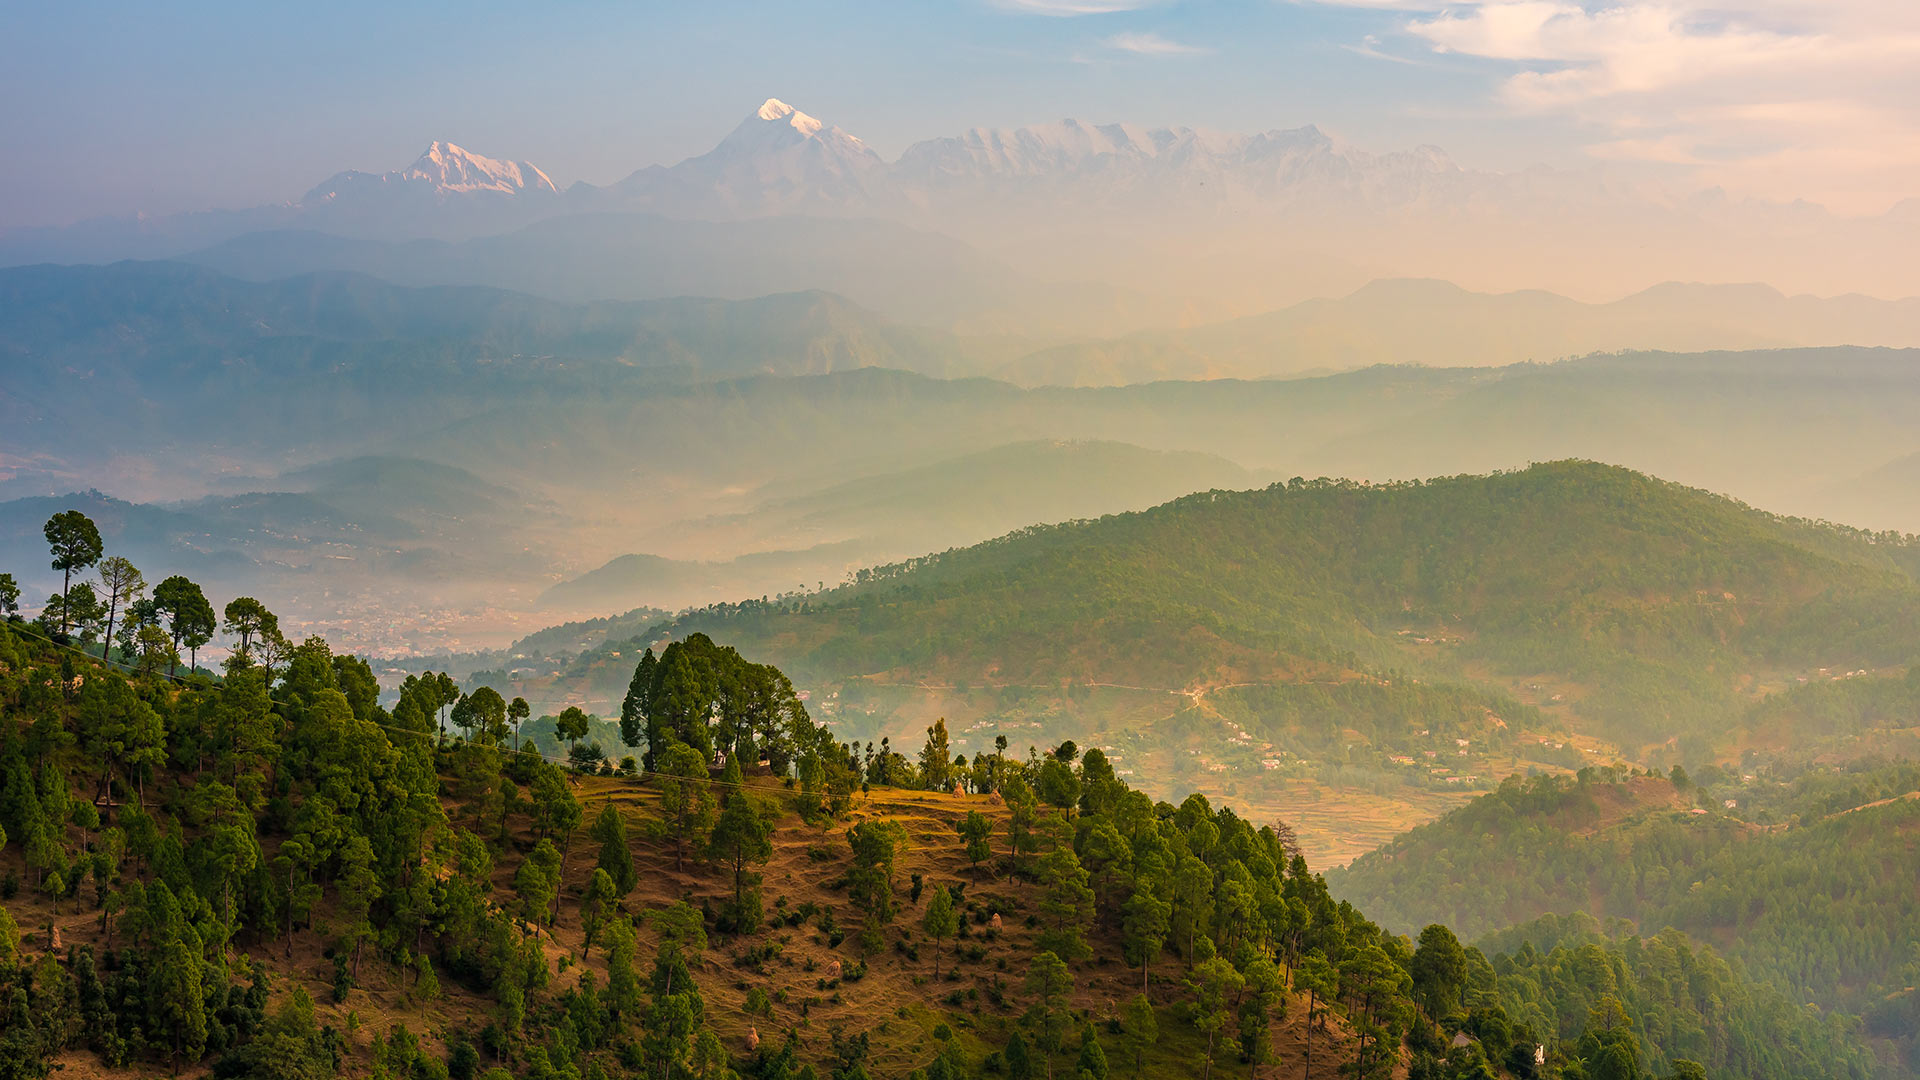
column 910, row 274
column 384, row 542
column 605, row 427
column 630, row 579
column 1438, row 324
column 120, row 372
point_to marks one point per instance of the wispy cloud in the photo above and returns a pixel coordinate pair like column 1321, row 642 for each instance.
column 1767, row 97
column 1152, row 44
column 1068, row 8
column 1369, row 47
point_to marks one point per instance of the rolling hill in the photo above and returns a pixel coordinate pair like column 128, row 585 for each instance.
column 1567, row 568
column 1411, row 638
column 1801, row 880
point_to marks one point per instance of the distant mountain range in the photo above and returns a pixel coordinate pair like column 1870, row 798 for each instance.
column 146, row 349
column 911, row 275
column 701, row 431
column 312, row 366
column 360, row 516
column 862, row 465
column 1443, row 325
column 1216, row 224
column 171, row 382
column 780, row 161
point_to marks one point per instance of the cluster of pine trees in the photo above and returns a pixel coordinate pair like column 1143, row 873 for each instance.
column 209, row 822
column 1239, row 907
column 211, row 825
column 1817, row 904
column 116, row 608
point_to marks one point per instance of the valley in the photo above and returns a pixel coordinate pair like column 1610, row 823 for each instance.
column 1084, row 540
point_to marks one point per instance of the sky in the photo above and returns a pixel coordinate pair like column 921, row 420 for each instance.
column 117, row 108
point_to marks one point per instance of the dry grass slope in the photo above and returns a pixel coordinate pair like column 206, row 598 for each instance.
column 898, row 1004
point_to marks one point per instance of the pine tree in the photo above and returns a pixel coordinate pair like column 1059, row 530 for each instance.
column 976, row 830
column 1143, row 928
column 123, row 585
column 359, row 886
column 596, row 908
column 1141, row 1030
column 675, row 1017
column 74, row 541
column 1092, row 1064
column 1319, row 979
column 741, row 838
column 616, row 857
column 684, row 797
column 936, row 769
column 1049, row 981
column 1214, row 984
column 537, row 882
column 633, row 708
column 940, row 922
column 1023, row 813
column 1066, row 904
column 1439, row 970
column 175, row 1001
column 1019, row 1061
column 1192, row 899
column 870, row 881
column 622, row 993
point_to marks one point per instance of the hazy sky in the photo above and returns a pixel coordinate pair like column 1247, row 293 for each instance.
column 118, row 107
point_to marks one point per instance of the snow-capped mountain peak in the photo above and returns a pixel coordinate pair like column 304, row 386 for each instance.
column 778, row 160
column 777, row 125
column 775, row 111
column 454, row 168
column 442, row 170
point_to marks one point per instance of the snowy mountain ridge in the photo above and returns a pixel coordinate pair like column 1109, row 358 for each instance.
column 442, row 169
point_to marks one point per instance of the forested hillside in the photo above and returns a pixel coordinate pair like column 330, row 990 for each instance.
column 1807, row 884
column 269, row 874
column 1566, row 597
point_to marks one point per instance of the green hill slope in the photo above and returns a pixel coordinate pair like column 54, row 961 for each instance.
column 1413, row 641
column 1807, row 884
column 272, row 876
column 1660, row 604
